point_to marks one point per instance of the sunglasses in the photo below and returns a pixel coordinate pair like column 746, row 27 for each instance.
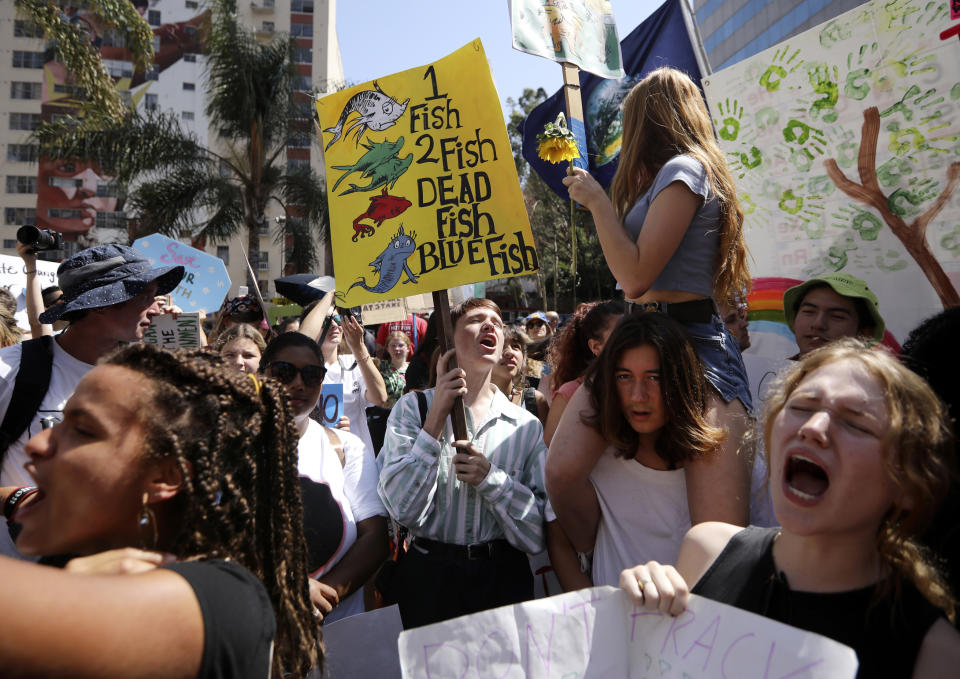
column 312, row 375
column 335, row 317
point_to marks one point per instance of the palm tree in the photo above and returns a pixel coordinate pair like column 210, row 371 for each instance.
column 176, row 185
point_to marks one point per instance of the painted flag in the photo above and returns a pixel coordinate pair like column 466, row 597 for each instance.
column 661, row 40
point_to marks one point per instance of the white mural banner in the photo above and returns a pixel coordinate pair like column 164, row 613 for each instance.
column 599, row 633
column 845, row 145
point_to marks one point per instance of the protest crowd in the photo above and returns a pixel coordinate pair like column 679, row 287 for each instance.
column 190, row 513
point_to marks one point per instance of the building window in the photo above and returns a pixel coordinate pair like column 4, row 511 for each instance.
column 223, row 253
column 21, row 184
column 186, row 115
column 61, row 213
column 301, row 30
column 302, row 55
column 118, row 69
column 26, row 216
column 23, row 59
column 23, row 153
column 297, row 163
column 151, row 102
column 266, row 27
column 19, row 90
column 191, row 4
column 191, row 58
column 153, row 17
column 26, row 29
column 303, row 83
column 113, row 38
column 154, row 72
column 190, row 87
column 299, row 140
column 111, row 220
column 108, row 189
column 24, row 121
column 305, row 6
column 9, row 243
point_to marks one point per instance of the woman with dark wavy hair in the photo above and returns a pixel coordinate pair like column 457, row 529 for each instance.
column 860, row 457
column 175, row 454
column 648, row 402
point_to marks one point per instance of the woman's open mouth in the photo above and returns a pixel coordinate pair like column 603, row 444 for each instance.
column 805, row 481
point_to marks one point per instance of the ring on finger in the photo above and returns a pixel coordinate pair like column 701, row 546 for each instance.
column 642, row 583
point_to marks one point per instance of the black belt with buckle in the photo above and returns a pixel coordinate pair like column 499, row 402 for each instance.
column 473, row 552
column 694, row 311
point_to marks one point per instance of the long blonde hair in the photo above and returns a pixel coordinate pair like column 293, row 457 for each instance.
column 919, row 450
column 664, row 115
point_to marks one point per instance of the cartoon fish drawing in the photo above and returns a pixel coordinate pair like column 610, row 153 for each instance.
column 377, row 111
column 385, row 174
column 382, row 207
column 391, row 263
column 377, row 152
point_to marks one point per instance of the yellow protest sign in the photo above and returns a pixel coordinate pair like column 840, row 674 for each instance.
column 421, row 183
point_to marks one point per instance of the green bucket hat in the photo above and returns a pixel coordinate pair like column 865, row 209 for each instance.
column 844, row 285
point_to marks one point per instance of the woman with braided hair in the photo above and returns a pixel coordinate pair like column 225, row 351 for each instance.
column 173, row 453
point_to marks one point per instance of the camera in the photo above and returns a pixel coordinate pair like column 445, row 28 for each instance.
column 40, row 239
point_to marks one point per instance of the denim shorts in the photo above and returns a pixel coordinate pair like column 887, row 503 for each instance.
column 722, row 361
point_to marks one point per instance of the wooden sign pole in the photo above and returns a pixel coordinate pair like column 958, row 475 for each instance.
column 571, row 96
column 441, row 305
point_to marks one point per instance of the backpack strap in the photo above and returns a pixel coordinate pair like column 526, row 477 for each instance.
column 422, row 405
column 29, row 388
column 530, row 401
column 337, row 445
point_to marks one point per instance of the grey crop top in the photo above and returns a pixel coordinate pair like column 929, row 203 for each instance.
column 691, row 268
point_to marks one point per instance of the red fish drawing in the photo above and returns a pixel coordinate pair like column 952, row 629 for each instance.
column 382, row 207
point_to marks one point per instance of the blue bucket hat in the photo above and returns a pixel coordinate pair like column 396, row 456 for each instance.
column 105, row 275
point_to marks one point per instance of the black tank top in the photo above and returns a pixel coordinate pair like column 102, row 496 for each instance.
column 886, row 635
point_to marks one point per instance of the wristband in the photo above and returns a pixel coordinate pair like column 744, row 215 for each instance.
column 34, row 271
column 15, row 498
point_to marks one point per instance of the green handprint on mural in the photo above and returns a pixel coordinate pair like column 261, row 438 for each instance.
column 905, row 202
column 894, row 171
column 955, row 91
column 834, row 32
column 908, row 140
column 896, row 265
column 951, row 241
column 747, row 206
column 790, row 203
column 837, row 254
column 824, row 79
column 731, row 115
column 782, row 66
column 768, row 116
column 753, row 159
column 913, row 65
column 867, row 225
column 810, row 139
column 821, row 185
column 857, row 83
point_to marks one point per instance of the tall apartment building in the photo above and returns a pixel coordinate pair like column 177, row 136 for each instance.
column 733, row 30
column 76, row 198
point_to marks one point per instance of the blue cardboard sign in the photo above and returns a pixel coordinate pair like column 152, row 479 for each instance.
column 331, row 404
column 205, row 281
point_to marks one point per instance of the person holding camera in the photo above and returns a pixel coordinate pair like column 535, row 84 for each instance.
column 108, row 299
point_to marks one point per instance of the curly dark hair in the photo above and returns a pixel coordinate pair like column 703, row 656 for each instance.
column 235, row 444
column 687, row 434
column 570, row 353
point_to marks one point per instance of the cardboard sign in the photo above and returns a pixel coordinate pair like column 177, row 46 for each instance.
column 598, row 633
column 331, row 404
column 205, row 281
column 13, row 277
column 579, row 32
column 422, row 186
column 385, row 311
column 169, row 333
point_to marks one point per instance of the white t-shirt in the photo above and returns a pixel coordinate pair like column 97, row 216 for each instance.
column 644, row 516
column 346, row 371
column 353, row 486
column 66, row 373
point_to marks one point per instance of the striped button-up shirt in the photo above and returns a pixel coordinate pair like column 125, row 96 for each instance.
column 420, row 489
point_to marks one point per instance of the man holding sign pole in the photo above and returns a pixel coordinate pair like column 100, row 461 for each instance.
column 473, row 507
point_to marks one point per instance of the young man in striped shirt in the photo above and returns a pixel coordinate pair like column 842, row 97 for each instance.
column 474, row 507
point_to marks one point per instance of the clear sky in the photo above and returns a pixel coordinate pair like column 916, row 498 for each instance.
column 380, row 37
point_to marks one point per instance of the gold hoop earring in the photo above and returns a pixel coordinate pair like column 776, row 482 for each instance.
column 148, row 520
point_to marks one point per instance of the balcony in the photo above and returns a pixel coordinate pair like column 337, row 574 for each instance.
column 262, row 5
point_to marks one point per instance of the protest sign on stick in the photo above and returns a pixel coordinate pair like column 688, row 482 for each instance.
column 423, row 190
column 205, row 281
column 599, row 633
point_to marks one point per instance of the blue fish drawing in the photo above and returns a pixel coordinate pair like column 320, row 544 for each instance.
column 391, row 263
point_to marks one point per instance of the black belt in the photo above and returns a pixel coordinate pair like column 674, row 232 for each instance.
column 694, row 311
column 478, row 550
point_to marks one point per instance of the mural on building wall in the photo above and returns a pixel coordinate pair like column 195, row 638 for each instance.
column 76, row 196
column 845, row 142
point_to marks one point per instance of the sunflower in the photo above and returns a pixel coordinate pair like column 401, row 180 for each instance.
column 556, row 144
